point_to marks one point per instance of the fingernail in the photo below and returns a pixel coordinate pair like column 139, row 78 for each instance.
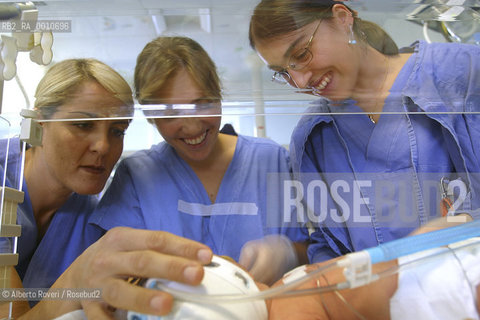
column 191, row 274
column 204, row 255
column 157, row 303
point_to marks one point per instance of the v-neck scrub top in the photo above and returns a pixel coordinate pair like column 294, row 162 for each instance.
column 68, row 235
column 156, row 189
column 384, row 179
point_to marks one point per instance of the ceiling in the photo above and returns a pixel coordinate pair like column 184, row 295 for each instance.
column 116, row 31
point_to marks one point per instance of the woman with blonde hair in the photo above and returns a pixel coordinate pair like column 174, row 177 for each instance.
column 83, row 107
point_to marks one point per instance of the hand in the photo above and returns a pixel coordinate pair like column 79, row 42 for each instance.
column 126, row 252
column 370, row 301
column 269, row 258
column 442, row 223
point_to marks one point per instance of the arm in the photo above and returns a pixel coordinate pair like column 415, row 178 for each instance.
column 123, row 253
column 18, row 307
column 370, row 301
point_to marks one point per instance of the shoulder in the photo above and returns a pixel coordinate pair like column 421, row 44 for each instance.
column 450, row 59
column 444, row 75
column 314, row 116
column 259, row 144
column 156, row 155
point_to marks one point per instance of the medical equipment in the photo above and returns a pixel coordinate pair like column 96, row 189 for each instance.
column 221, row 277
column 356, row 266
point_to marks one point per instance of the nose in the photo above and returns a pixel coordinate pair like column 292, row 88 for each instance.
column 100, row 142
column 299, row 78
column 191, row 125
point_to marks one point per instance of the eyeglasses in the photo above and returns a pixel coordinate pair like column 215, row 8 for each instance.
column 297, row 61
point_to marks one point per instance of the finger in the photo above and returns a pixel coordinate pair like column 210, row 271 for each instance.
column 262, row 263
column 121, row 294
column 148, row 264
column 247, row 256
column 264, row 269
column 129, row 239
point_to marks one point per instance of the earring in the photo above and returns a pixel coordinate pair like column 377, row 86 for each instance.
column 352, row 36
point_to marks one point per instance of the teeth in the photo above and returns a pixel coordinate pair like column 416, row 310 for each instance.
column 324, row 83
column 196, row 140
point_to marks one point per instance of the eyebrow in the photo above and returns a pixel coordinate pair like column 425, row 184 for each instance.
column 89, row 114
column 94, row 115
column 287, row 52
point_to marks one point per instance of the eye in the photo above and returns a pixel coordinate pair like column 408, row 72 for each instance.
column 205, row 105
column 301, row 56
column 119, row 129
column 83, row 125
column 118, row 132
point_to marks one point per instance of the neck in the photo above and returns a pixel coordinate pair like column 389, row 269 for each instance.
column 372, row 84
column 211, row 171
column 224, row 147
column 375, row 81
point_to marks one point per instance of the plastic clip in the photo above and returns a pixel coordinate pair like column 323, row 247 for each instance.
column 30, row 130
column 358, row 268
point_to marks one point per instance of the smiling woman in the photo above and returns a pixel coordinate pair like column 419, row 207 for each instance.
column 383, row 114
column 199, row 183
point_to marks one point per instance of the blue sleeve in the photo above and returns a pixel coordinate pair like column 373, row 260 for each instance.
column 119, row 205
column 6, row 245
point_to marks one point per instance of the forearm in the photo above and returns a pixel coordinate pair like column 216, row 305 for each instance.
column 19, row 307
column 370, row 301
column 50, row 309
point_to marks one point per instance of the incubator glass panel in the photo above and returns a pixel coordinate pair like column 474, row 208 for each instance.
column 332, row 132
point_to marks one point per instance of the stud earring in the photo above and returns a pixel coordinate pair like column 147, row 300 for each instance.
column 352, row 36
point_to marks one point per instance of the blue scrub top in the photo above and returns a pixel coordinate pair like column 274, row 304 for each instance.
column 384, row 179
column 68, row 235
column 156, row 189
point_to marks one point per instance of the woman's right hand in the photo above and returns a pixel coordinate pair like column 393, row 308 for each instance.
column 122, row 253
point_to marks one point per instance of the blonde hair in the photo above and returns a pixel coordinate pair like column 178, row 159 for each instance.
column 64, row 78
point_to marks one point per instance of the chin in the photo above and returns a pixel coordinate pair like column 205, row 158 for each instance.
column 89, row 190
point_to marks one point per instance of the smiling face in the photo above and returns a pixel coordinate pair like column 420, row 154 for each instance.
column 194, row 138
column 79, row 155
column 334, row 66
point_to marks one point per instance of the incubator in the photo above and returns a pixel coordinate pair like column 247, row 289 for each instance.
column 451, row 255
column 255, row 106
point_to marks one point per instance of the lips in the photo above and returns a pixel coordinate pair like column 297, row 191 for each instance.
column 322, row 83
column 196, row 140
column 94, row 169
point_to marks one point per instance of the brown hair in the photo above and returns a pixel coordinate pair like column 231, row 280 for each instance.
column 274, row 18
column 163, row 57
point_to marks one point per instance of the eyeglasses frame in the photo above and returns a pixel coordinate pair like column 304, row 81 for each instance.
column 284, row 73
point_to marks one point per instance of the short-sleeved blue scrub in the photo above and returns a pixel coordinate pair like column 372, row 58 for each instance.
column 155, row 189
column 42, row 261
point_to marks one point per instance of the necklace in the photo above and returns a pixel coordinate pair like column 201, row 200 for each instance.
column 387, row 71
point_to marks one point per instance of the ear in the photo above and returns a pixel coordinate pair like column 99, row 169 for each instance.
column 343, row 15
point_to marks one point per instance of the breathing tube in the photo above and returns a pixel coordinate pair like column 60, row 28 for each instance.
column 356, row 266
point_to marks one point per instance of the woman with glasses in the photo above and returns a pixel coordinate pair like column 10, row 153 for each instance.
column 393, row 141
column 218, row 189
